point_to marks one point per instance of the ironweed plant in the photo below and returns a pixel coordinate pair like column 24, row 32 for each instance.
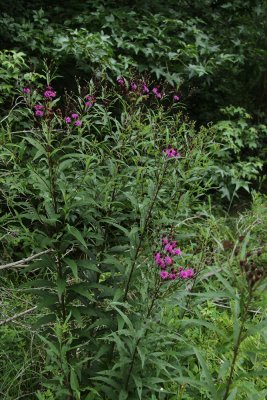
column 104, row 185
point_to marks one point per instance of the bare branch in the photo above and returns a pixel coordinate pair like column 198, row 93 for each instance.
column 21, row 263
column 5, row 321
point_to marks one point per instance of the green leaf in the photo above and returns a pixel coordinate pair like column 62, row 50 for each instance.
column 74, row 383
column 232, row 395
column 77, row 234
column 73, row 266
column 210, row 384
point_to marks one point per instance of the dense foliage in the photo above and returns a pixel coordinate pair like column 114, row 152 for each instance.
column 133, row 215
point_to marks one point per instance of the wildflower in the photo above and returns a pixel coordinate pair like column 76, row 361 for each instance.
column 168, row 248
column 74, row 116
column 68, row 120
column 186, row 273
column 171, row 152
column 39, row 113
column 78, row 123
column 172, row 276
column 176, row 252
column 168, row 260
column 165, row 241
column 145, row 89
column 133, row 86
column 176, row 98
column 164, row 274
column 156, row 93
column 38, row 107
column 90, row 98
column 49, row 94
column 121, row 81
column 88, row 104
column 159, row 260
column 26, row 90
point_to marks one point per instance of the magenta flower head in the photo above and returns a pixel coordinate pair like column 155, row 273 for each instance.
column 78, row 123
column 168, row 260
column 121, row 81
column 156, row 93
column 176, row 98
column 164, row 275
column 88, row 104
column 133, row 86
column 74, row 116
column 176, row 252
column 38, row 107
column 68, row 120
column 145, row 89
column 171, row 153
column 186, row 273
column 26, row 90
column 165, row 240
column 39, row 113
column 49, row 94
column 92, row 99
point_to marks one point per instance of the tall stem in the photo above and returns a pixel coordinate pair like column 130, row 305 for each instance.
column 139, row 340
column 237, row 345
column 147, row 219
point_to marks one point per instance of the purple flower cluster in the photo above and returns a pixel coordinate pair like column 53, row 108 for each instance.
column 38, row 110
column 74, row 117
column 90, row 101
column 164, row 260
column 170, row 152
column 49, row 94
column 143, row 89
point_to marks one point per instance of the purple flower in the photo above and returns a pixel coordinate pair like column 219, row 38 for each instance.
column 165, row 241
column 171, row 153
column 78, row 123
column 157, row 256
column 121, row 81
column 38, row 107
column 145, row 88
column 156, row 93
column 168, row 260
column 74, row 116
column 186, row 273
column 90, row 99
column 68, row 120
column 172, row 276
column 133, row 86
column 49, row 94
column 159, row 261
column 39, row 113
column 168, row 248
column 164, row 275
column 88, row 104
column 176, row 97
column 176, row 252
column 26, row 90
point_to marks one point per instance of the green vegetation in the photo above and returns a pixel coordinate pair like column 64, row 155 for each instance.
column 133, row 207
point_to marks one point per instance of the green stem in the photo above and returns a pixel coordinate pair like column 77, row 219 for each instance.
column 237, row 345
column 139, row 340
column 147, row 220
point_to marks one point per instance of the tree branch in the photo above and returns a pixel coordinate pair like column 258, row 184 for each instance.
column 5, row 321
column 21, row 263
